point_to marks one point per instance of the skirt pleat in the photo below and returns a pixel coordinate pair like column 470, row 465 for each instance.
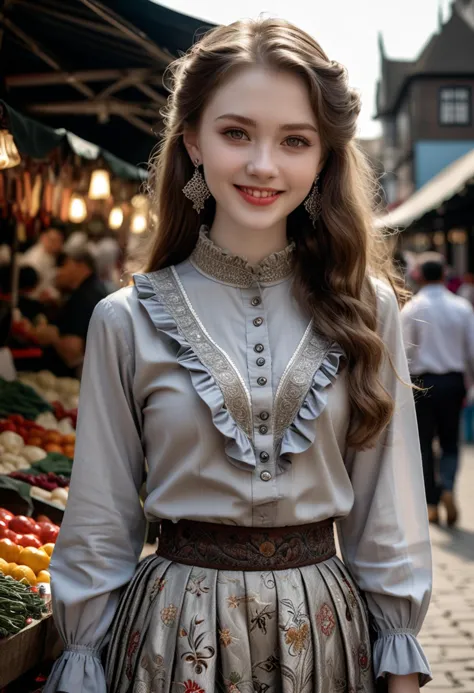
column 184, row 629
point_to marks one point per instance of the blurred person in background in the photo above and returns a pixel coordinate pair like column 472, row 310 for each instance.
column 65, row 341
column 466, row 290
column 438, row 330
column 43, row 258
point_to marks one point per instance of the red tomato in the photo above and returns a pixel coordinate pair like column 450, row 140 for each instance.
column 6, row 515
column 30, row 540
column 16, row 419
column 8, row 426
column 3, row 528
column 21, row 524
column 22, row 432
column 13, row 536
column 44, row 518
column 49, row 532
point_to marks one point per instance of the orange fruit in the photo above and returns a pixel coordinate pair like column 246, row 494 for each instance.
column 22, row 572
column 35, row 441
column 68, row 439
column 3, row 566
column 43, row 576
column 68, row 450
column 9, row 551
column 53, row 437
column 48, row 548
column 53, row 447
column 36, row 559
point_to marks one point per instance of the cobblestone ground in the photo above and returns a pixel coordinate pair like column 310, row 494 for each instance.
column 448, row 632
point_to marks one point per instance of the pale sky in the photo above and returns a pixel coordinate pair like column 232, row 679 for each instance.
column 346, row 29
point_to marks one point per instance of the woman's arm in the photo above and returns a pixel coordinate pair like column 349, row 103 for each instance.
column 385, row 538
column 103, row 529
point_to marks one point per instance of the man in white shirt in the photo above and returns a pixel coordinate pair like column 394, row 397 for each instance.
column 438, row 329
column 42, row 257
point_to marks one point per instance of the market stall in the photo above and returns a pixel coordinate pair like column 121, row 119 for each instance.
column 38, row 415
column 50, row 177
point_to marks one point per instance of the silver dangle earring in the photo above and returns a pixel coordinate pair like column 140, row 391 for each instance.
column 196, row 189
column 313, row 203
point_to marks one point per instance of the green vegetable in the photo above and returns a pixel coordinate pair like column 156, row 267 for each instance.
column 17, row 398
column 18, row 603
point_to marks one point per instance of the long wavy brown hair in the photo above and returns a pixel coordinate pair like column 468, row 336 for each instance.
column 335, row 260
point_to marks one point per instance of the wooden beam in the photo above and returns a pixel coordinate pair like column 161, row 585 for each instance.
column 152, row 93
column 35, row 48
column 41, row 79
column 129, row 30
column 100, row 108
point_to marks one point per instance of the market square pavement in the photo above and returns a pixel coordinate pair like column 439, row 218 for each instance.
column 448, row 632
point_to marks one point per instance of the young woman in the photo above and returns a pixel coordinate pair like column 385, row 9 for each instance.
column 258, row 366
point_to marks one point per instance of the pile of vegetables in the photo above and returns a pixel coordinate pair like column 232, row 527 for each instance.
column 19, row 398
column 20, row 605
column 49, row 487
column 64, row 391
column 26, row 546
column 23, row 443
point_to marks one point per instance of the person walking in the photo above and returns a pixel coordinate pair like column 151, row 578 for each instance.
column 258, row 365
column 438, row 329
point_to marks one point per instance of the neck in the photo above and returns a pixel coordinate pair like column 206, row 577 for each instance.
column 253, row 245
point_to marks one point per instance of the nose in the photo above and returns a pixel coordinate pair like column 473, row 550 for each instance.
column 262, row 162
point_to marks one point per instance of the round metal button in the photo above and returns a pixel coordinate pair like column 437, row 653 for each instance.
column 265, row 476
column 259, row 348
column 262, row 381
column 260, row 362
column 256, row 301
column 264, row 415
column 258, row 321
column 264, row 456
column 263, row 429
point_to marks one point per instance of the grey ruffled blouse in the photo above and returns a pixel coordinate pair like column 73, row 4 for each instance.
column 212, row 372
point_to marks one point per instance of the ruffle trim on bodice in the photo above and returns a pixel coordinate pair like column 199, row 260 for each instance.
column 300, row 435
column 299, row 401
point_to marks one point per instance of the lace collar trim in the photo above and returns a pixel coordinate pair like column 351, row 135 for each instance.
column 219, row 264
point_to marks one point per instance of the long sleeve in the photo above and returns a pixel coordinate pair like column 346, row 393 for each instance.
column 103, row 529
column 385, row 539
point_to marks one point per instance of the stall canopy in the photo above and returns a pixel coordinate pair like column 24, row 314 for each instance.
column 450, row 181
column 37, row 141
column 93, row 67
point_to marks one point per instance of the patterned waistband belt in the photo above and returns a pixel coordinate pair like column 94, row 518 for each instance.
column 229, row 547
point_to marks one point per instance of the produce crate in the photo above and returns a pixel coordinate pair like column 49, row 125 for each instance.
column 28, row 648
column 11, row 500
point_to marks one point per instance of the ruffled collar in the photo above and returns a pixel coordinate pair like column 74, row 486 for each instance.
column 219, row 264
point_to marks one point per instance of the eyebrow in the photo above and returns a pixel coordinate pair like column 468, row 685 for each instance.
column 252, row 123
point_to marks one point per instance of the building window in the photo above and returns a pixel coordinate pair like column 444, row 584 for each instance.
column 455, row 106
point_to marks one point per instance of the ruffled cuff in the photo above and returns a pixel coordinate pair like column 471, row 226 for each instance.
column 399, row 652
column 78, row 670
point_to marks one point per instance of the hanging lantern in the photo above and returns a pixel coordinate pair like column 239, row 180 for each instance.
column 139, row 223
column 9, row 155
column 77, row 209
column 115, row 218
column 100, row 185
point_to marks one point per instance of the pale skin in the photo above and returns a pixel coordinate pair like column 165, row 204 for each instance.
column 259, row 131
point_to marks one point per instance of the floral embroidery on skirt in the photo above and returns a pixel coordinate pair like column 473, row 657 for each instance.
column 181, row 629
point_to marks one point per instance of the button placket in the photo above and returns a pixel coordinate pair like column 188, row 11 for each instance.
column 259, row 363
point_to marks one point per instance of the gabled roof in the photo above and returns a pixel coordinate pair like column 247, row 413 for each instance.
column 449, row 52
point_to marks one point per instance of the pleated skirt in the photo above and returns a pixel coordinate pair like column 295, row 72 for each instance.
column 183, row 629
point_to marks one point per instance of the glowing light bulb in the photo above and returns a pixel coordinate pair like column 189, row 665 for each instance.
column 116, row 218
column 77, row 209
column 139, row 223
column 99, row 188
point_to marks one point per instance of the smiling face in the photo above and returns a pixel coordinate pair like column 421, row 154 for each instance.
column 259, row 145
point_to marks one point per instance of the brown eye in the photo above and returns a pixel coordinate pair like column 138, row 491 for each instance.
column 296, row 142
column 236, row 134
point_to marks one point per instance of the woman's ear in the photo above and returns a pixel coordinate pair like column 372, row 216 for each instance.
column 190, row 139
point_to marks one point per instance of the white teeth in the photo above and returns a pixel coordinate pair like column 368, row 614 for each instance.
column 259, row 193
